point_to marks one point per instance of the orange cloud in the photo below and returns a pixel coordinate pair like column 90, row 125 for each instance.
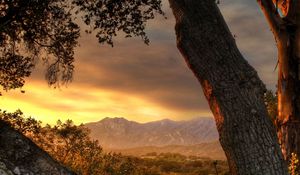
column 83, row 104
column 140, row 82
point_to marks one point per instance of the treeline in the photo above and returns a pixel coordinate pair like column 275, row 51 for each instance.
column 72, row 146
column 174, row 163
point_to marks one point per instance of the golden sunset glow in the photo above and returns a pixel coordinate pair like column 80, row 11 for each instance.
column 135, row 81
column 83, row 104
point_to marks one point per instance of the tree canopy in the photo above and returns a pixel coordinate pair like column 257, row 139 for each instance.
column 72, row 146
column 48, row 30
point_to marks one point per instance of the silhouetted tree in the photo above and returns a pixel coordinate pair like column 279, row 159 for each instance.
column 32, row 30
column 71, row 145
column 46, row 30
column 20, row 122
column 232, row 87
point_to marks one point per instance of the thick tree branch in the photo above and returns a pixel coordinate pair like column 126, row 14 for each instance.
column 279, row 28
column 297, row 32
column 272, row 16
column 291, row 9
column 283, row 6
column 297, row 13
column 231, row 86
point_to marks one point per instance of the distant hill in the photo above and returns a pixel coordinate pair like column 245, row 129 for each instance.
column 119, row 133
column 211, row 150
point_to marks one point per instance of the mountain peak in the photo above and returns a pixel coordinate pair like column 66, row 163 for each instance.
column 114, row 119
column 167, row 120
column 120, row 133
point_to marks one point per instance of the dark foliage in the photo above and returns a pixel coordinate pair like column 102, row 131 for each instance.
column 71, row 145
column 20, row 123
column 108, row 17
column 272, row 105
column 32, row 30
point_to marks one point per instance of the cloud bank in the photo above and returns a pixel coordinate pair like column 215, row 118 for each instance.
column 140, row 82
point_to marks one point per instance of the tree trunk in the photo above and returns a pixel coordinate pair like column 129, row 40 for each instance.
column 231, row 86
column 288, row 44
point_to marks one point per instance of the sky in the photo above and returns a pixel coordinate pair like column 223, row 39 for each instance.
column 139, row 82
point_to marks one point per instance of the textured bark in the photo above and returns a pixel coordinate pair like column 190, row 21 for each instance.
column 289, row 93
column 231, row 86
column 20, row 156
column 286, row 31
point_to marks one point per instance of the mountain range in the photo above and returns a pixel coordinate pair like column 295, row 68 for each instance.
column 119, row 133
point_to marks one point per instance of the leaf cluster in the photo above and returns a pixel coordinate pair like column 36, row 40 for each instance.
column 47, row 30
column 107, row 17
column 271, row 105
column 71, row 145
column 36, row 29
column 25, row 125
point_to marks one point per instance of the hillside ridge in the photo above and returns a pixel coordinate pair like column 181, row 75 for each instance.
column 120, row 133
